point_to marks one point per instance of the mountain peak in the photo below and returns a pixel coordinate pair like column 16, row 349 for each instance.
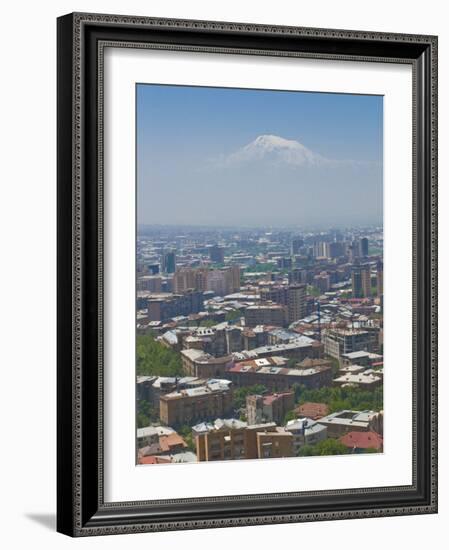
column 277, row 149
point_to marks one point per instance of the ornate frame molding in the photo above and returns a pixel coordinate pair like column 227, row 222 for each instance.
column 82, row 512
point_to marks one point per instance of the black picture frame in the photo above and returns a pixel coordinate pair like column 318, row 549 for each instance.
column 81, row 510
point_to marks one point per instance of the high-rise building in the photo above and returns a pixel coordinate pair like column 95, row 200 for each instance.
column 366, row 281
column 364, row 246
column 336, row 249
column 169, row 262
column 380, row 277
column 356, row 282
column 219, row 282
column 297, row 276
column 361, row 281
column 320, row 249
column 235, row 277
column 322, row 281
column 216, row 254
column 296, row 302
column 354, row 250
column 297, row 244
column 183, row 279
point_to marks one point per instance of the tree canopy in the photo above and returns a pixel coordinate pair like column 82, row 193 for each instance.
column 154, row 359
column 324, row 448
column 145, row 414
column 341, row 398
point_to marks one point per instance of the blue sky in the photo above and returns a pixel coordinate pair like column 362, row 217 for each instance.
column 196, row 163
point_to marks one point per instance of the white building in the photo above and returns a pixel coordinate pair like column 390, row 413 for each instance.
column 305, row 432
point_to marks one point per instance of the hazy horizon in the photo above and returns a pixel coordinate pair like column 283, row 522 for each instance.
column 254, row 158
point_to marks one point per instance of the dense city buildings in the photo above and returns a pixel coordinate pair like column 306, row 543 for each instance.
column 268, row 372
column 219, row 281
column 247, row 339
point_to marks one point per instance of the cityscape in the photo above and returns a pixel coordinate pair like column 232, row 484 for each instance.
column 259, row 340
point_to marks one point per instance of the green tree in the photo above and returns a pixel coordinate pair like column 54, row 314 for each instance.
column 154, row 359
column 145, row 414
column 330, row 447
column 306, row 450
column 323, row 448
column 338, row 399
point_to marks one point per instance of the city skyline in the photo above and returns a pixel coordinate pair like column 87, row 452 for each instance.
column 319, row 150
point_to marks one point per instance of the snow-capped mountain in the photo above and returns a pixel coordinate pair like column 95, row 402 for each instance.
column 277, row 149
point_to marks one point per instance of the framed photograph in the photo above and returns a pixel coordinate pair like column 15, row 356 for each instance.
column 247, row 292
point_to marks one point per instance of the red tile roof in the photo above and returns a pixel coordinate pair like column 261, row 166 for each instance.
column 362, row 440
column 315, row 411
column 154, row 460
column 168, row 442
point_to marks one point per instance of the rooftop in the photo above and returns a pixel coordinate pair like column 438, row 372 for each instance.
column 362, row 440
column 356, row 354
column 360, row 378
column 167, row 442
column 349, row 418
column 149, row 431
column 219, row 424
column 306, row 426
column 313, row 410
column 154, row 460
column 211, row 386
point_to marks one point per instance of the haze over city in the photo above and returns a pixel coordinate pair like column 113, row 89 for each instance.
column 205, row 154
